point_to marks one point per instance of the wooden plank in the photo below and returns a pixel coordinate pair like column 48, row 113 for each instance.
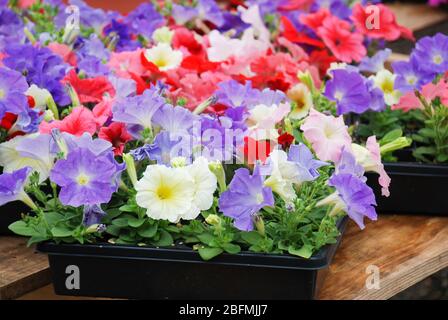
column 21, row 269
column 406, row 249
column 417, row 16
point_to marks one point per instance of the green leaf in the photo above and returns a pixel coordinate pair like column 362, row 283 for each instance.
column 252, row 237
column 120, row 222
column 147, row 231
column 305, row 252
column 36, row 239
column 128, row 208
column 113, row 230
column 165, row 239
column 231, row 248
column 22, row 229
column 61, row 232
column 206, row 238
column 391, row 136
column 209, row 253
column 135, row 223
column 53, row 218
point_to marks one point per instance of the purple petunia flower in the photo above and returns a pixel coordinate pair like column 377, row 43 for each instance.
column 234, row 94
column 347, row 165
column 431, row 53
column 12, row 184
column 206, row 10
column 410, row 75
column 183, row 14
column 245, row 197
column 85, row 178
column 12, row 92
column 137, row 112
column 93, row 67
column 377, row 102
column 123, row 87
column 356, row 196
column 376, row 62
column 144, row 19
column 92, row 215
column 11, row 28
column 29, row 121
column 167, row 146
column 233, row 22
column 349, row 91
column 305, row 163
column 41, row 67
column 123, row 33
column 174, row 119
column 89, row 17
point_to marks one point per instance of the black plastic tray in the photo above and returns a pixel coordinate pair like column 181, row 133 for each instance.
column 118, row 271
column 415, row 189
column 9, row 213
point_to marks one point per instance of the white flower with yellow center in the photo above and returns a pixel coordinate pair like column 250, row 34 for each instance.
column 281, row 176
column 302, row 100
column 166, row 193
column 28, row 151
column 385, row 80
column 164, row 57
column 204, row 187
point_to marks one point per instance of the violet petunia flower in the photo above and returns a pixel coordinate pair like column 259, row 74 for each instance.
column 410, row 75
column 12, row 185
column 245, row 197
column 92, row 215
column 89, row 17
column 85, row 178
column 377, row 102
column 234, row 94
column 355, row 197
column 349, row 91
column 183, row 14
column 376, row 62
column 306, row 164
column 123, row 33
column 11, row 28
column 12, row 92
column 174, row 119
column 166, row 147
column 431, row 53
column 144, row 20
column 137, row 112
column 347, row 165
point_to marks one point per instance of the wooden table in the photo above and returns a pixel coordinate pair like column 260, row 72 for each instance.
column 406, row 250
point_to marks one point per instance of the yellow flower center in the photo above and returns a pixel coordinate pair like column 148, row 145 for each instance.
column 161, row 62
column 83, row 179
column 387, row 86
column 411, row 80
column 164, row 192
column 437, row 59
column 2, row 94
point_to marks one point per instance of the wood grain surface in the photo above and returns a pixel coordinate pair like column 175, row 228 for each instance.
column 417, row 16
column 21, row 269
column 406, row 249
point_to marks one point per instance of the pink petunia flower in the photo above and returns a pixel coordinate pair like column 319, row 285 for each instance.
column 328, row 135
column 126, row 63
column 346, row 45
column 64, row 52
column 408, row 102
column 432, row 91
column 80, row 120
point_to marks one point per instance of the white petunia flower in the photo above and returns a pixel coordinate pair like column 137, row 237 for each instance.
column 164, row 57
column 385, row 80
column 282, row 174
column 166, row 193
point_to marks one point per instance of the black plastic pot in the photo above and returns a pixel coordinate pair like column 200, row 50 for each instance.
column 9, row 213
column 415, row 189
column 117, row 271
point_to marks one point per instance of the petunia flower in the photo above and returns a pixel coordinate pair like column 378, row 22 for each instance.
column 12, row 92
column 302, row 100
column 431, row 53
column 79, row 121
column 28, row 151
column 388, row 28
column 337, row 35
column 166, row 193
column 328, row 135
column 12, row 187
column 92, row 215
column 85, row 178
column 163, row 57
column 410, row 75
column 408, row 101
column 116, row 134
column 305, row 163
column 262, row 120
column 352, row 196
column 376, row 62
column 245, row 197
column 127, row 63
column 385, row 80
column 370, row 158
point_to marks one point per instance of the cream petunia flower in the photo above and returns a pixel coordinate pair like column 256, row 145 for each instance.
column 166, row 193
column 164, row 57
column 385, row 80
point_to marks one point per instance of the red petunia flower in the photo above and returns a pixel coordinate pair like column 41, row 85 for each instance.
column 199, row 64
column 254, row 150
column 387, row 27
column 315, row 20
column 80, row 120
column 285, row 140
column 116, row 134
column 184, row 38
column 322, row 59
column 89, row 90
column 337, row 35
column 291, row 33
column 8, row 121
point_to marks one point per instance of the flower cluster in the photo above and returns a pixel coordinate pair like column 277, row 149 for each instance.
column 216, row 124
